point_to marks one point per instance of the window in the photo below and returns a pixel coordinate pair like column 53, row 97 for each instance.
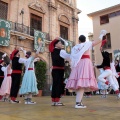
column 66, row 0
column 64, row 32
column 35, row 23
column 118, row 13
column 108, row 44
column 104, row 19
column 3, row 10
column 112, row 14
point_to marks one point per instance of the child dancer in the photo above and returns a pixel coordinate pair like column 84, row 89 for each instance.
column 29, row 82
column 6, row 84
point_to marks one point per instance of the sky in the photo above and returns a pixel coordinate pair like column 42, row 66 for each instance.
column 89, row 6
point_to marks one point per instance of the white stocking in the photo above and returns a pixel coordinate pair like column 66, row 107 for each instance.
column 79, row 95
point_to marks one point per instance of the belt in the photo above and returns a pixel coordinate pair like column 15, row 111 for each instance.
column 1, row 76
column 85, row 56
column 106, row 68
column 30, row 68
column 8, row 75
column 56, row 67
column 17, row 71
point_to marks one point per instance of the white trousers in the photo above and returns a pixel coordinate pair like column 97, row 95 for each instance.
column 110, row 77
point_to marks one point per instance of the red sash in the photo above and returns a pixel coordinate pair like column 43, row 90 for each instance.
column 85, row 56
column 17, row 71
column 56, row 67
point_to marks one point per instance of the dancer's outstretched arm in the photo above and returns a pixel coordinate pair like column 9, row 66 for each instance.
column 102, row 34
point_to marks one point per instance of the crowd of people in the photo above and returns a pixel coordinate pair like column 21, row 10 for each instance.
column 10, row 77
column 81, row 79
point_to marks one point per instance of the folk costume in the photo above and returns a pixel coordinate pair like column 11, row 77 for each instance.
column 2, row 69
column 102, row 86
column 108, row 73
column 1, row 72
column 117, row 67
column 29, row 82
column 16, row 75
column 82, row 78
column 6, row 84
column 58, row 55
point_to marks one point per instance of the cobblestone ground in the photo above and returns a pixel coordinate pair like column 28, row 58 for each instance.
column 97, row 109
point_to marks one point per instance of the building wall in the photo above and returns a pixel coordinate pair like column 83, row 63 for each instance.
column 53, row 12
column 112, row 27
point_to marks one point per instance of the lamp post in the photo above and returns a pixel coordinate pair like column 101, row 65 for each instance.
column 90, row 36
column 22, row 13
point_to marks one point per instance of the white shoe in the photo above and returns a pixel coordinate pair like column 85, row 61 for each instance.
column 118, row 96
column 59, row 104
column 53, row 103
column 30, row 103
column 80, row 106
column 15, row 101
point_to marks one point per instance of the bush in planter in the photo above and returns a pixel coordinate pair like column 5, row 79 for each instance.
column 40, row 71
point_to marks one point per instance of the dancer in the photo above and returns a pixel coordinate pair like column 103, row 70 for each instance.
column 82, row 77
column 58, row 55
column 108, row 73
column 16, row 74
column 117, row 67
column 2, row 69
column 29, row 82
column 6, row 84
column 102, row 86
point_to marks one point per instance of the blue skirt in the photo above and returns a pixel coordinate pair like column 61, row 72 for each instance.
column 29, row 83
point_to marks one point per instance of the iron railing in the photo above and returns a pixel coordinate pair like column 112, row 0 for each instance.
column 25, row 29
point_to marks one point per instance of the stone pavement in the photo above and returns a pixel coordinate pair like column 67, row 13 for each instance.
column 97, row 109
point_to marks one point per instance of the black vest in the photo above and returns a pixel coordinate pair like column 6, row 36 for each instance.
column 56, row 59
column 1, row 72
column 15, row 64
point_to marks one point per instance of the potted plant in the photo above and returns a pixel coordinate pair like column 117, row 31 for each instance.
column 40, row 71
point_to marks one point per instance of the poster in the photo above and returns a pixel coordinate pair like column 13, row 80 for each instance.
column 5, row 28
column 38, row 37
column 69, row 47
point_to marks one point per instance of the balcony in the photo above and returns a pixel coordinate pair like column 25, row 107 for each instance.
column 25, row 29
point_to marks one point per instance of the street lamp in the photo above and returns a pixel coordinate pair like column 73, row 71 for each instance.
column 22, row 13
column 90, row 36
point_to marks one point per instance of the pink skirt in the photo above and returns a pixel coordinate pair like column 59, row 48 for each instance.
column 82, row 76
column 6, row 86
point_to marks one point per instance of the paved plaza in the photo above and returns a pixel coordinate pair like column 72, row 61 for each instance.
column 97, row 109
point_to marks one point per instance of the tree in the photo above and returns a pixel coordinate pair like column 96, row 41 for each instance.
column 40, row 71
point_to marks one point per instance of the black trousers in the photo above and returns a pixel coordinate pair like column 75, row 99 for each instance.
column 15, row 85
column 57, row 87
column 118, row 82
column 1, row 80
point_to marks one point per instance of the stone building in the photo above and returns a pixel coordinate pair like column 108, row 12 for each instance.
column 107, row 19
column 53, row 17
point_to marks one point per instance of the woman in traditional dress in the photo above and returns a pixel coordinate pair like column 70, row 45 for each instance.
column 82, row 78
column 29, row 82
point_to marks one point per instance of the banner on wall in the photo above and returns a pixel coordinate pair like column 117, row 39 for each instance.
column 39, row 36
column 5, row 28
column 69, row 47
column 116, row 54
